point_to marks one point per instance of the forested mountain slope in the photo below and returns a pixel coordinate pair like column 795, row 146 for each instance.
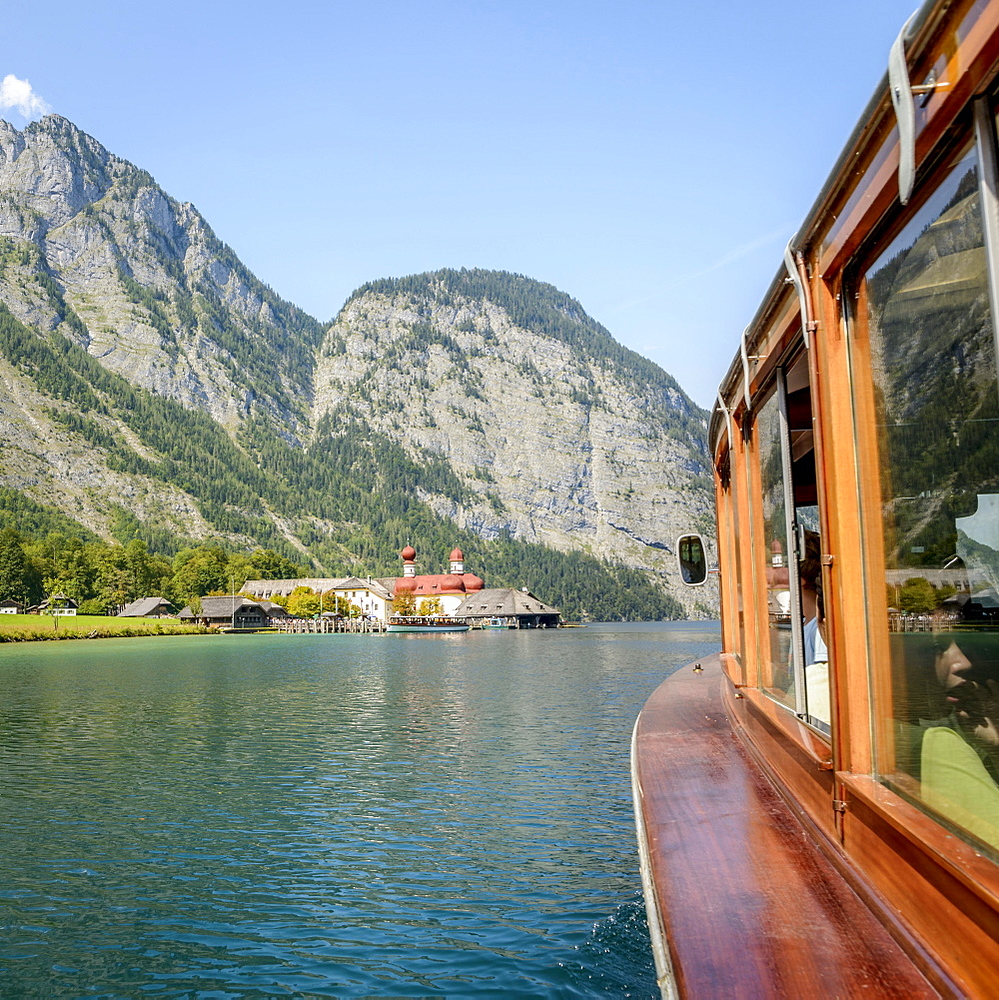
column 555, row 433
column 152, row 388
column 91, row 247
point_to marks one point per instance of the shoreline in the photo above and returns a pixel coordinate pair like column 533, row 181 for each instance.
column 38, row 628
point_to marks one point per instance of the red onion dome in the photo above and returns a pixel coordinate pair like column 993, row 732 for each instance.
column 408, row 553
column 405, row 585
column 473, row 582
column 451, row 581
column 456, row 556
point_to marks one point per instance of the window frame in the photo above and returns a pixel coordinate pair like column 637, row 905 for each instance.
column 974, row 131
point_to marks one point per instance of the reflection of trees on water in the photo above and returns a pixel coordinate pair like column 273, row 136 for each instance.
column 934, row 363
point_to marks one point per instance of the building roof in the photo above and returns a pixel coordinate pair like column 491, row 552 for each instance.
column 375, row 586
column 58, row 601
column 317, row 585
column 144, row 606
column 438, row 583
column 223, row 607
column 502, row 602
column 273, row 610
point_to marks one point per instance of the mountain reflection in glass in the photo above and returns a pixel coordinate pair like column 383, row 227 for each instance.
column 933, row 359
column 778, row 677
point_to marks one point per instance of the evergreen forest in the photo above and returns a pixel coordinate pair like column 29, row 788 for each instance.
column 349, row 495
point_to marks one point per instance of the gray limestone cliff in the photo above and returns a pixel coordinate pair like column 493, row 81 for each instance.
column 91, row 246
column 491, row 398
column 558, row 434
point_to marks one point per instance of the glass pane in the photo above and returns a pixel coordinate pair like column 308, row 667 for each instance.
column 804, row 490
column 737, row 543
column 934, row 364
column 777, row 674
column 816, row 654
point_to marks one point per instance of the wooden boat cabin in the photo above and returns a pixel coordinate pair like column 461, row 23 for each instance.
column 818, row 806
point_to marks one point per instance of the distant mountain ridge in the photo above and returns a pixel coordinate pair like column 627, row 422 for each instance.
column 145, row 370
column 558, row 433
column 95, row 249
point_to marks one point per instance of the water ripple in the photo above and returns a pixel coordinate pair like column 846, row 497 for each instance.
column 329, row 816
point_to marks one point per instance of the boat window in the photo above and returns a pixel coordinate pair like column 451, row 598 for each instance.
column 815, row 705
column 925, row 317
column 795, row 664
column 777, row 658
column 730, row 536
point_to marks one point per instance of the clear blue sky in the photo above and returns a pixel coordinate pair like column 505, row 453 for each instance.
column 649, row 158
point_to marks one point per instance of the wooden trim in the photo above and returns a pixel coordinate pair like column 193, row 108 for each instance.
column 966, row 863
column 808, row 743
column 745, row 568
column 752, row 906
column 949, row 905
column 964, row 53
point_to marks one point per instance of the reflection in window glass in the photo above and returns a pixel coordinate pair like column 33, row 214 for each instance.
column 737, row 543
column 934, row 364
column 777, row 675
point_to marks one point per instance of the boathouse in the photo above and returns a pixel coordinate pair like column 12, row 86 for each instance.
column 516, row 608
column 231, row 610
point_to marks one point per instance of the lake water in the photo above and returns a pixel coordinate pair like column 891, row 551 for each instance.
column 346, row 816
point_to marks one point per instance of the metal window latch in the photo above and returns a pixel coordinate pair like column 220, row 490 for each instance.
column 840, row 805
column 902, row 98
column 792, row 272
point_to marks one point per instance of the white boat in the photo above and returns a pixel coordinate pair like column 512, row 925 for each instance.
column 498, row 623
column 426, row 623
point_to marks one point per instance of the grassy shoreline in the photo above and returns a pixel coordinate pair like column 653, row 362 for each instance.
column 38, row 628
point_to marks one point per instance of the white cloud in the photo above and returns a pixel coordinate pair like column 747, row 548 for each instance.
column 17, row 95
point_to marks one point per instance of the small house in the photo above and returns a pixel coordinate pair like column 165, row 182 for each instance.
column 230, row 611
column 57, row 604
column 148, row 607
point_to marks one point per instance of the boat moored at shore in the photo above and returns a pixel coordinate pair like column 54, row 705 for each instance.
column 426, row 623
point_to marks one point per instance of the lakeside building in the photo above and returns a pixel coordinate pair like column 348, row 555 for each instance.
column 11, row 607
column 148, row 607
column 232, row 610
column 57, row 604
column 460, row 593
column 372, row 596
column 452, row 587
column 509, row 606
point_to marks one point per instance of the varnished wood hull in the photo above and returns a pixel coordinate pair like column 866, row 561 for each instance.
column 743, row 897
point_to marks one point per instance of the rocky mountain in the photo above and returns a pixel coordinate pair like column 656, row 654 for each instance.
column 151, row 387
column 556, row 432
column 91, row 247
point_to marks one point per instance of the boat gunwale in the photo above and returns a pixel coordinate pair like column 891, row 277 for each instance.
column 836, row 926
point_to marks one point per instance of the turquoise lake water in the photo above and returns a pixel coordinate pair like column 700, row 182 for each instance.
column 344, row 816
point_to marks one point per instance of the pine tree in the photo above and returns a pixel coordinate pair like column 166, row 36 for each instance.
column 15, row 571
